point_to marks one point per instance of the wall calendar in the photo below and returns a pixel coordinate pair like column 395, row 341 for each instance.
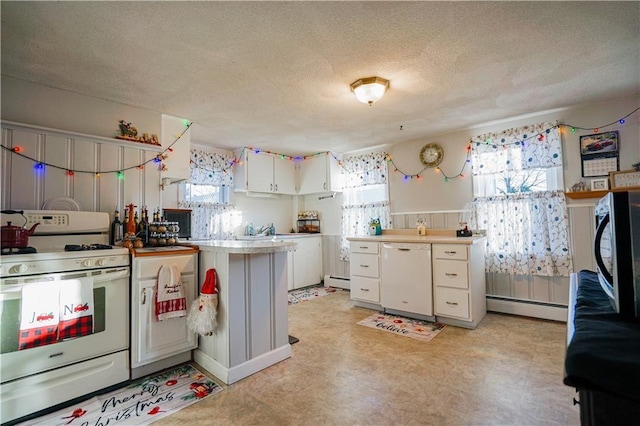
column 600, row 154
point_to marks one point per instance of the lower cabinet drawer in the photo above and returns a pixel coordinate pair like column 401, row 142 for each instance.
column 365, row 289
column 365, row 265
column 450, row 273
column 452, row 302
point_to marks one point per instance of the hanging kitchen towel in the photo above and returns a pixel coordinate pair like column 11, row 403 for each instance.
column 170, row 299
column 76, row 308
column 39, row 314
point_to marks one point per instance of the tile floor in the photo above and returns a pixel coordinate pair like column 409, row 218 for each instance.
column 508, row 371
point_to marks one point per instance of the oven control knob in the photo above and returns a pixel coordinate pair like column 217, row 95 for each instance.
column 18, row 269
column 101, row 262
column 86, row 262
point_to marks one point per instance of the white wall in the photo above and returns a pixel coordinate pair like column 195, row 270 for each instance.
column 43, row 106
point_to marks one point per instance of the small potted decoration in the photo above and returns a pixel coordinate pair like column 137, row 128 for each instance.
column 374, row 227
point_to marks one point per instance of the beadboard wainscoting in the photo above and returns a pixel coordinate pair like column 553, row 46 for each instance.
column 26, row 187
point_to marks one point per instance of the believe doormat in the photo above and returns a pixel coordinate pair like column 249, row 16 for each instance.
column 308, row 293
column 142, row 402
column 414, row 328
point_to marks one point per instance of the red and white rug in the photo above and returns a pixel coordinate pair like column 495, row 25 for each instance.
column 140, row 403
column 408, row 327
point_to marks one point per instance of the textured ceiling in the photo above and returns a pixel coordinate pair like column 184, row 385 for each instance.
column 276, row 75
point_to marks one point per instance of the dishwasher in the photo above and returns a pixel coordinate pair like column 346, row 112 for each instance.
column 406, row 278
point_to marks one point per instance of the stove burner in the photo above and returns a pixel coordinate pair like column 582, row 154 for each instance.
column 23, row 250
column 84, row 247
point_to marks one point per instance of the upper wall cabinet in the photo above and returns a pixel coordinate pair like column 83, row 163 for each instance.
column 177, row 162
column 320, row 174
column 264, row 172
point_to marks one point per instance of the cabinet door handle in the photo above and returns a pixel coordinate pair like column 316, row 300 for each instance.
column 144, row 296
column 364, row 289
column 270, row 187
column 276, row 187
column 450, row 253
column 405, row 302
column 364, row 247
column 404, row 249
column 364, row 266
column 451, row 275
column 452, row 303
column 324, row 186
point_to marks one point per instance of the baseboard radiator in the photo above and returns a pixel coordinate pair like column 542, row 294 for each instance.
column 527, row 308
column 336, row 281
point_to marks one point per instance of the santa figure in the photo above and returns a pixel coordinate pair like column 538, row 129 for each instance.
column 202, row 316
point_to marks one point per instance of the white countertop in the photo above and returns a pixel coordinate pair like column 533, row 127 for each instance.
column 439, row 236
column 245, row 247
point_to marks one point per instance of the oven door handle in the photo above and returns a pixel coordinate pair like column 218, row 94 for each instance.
column 99, row 275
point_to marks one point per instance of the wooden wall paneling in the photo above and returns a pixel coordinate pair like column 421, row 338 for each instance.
column 86, row 186
column 521, row 286
column 152, row 193
column 559, row 287
column 132, row 177
column 540, row 290
column 56, row 154
column 501, row 284
column 26, row 180
column 5, row 170
column 110, row 187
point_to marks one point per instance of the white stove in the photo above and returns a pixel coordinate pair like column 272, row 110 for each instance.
column 35, row 378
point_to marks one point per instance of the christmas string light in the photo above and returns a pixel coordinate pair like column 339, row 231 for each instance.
column 40, row 165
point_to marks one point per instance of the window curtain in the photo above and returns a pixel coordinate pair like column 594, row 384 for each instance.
column 211, row 219
column 528, row 228
column 364, row 197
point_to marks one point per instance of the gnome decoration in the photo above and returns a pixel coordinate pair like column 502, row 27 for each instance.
column 202, row 316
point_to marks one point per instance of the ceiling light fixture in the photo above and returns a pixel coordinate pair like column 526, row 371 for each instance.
column 369, row 90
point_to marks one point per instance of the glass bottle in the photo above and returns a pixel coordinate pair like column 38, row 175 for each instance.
column 115, row 234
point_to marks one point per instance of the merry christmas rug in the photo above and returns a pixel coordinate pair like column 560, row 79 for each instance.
column 414, row 328
column 142, row 402
column 309, row 293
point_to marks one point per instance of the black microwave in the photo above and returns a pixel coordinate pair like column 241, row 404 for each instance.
column 183, row 217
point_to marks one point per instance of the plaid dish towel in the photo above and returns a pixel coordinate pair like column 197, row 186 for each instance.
column 76, row 308
column 39, row 314
column 170, row 299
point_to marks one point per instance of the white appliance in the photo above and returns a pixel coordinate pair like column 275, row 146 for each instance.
column 42, row 377
column 406, row 279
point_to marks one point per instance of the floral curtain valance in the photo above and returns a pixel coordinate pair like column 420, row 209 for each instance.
column 365, row 169
column 208, row 168
column 535, row 146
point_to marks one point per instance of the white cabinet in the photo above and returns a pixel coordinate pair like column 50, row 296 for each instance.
column 364, row 268
column 307, row 261
column 177, row 163
column 406, row 278
column 153, row 340
column 320, row 174
column 264, row 172
column 459, row 284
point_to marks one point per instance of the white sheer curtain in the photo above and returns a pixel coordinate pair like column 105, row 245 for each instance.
column 206, row 195
column 517, row 178
column 365, row 196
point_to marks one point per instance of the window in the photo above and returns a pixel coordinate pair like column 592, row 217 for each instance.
column 206, row 193
column 518, row 200
column 365, row 196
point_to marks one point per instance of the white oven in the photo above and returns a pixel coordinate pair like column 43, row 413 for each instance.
column 38, row 378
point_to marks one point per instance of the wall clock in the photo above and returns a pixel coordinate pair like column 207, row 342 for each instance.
column 431, row 154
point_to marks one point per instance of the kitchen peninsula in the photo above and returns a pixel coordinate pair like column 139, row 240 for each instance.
column 252, row 331
column 438, row 276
